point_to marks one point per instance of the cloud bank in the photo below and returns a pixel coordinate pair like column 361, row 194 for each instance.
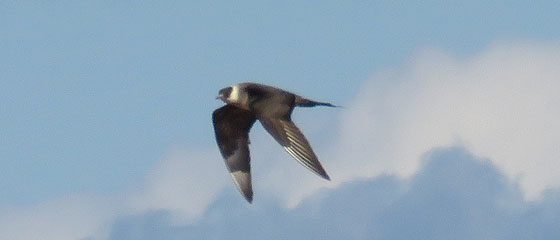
column 183, row 183
column 70, row 217
column 453, row 195
column 501, row 105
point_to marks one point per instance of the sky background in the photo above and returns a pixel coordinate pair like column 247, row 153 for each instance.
column 449, row 128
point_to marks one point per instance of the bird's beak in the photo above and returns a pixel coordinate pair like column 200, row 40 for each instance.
column 220, row 96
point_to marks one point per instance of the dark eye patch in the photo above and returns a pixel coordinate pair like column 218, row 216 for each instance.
column 226, row 92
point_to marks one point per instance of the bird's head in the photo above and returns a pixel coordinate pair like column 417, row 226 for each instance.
column 229, row 94
column 224, row 94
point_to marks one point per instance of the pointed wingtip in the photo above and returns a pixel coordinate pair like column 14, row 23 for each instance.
column 243, row 182
column 248, row 195
column 321, row 173
column 249, row 198
column 325, row 176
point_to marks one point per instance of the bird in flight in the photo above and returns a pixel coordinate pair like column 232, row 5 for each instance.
column 248, row 102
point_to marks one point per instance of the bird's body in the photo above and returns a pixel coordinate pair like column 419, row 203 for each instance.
column 248, row 102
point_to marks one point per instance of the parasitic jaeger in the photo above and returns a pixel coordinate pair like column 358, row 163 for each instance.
column 248, row 102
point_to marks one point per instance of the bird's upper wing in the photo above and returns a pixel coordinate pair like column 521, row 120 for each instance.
column 290, row 137
column 231, row 126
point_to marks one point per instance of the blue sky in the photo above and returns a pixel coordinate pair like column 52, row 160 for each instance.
column 108, row 104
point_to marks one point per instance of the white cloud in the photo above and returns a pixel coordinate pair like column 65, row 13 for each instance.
column 504, row 104
column 71, row 217
column 184, row 182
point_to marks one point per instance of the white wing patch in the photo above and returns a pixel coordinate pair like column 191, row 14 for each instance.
column 243, row 182
column 241, row 179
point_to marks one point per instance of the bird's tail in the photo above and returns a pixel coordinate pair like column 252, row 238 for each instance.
column 304, row 102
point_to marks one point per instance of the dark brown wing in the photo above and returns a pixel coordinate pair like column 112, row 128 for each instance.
column 290, row 137
column 231, row 126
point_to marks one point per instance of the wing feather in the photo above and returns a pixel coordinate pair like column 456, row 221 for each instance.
column 232, row 126
column 294, row 142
